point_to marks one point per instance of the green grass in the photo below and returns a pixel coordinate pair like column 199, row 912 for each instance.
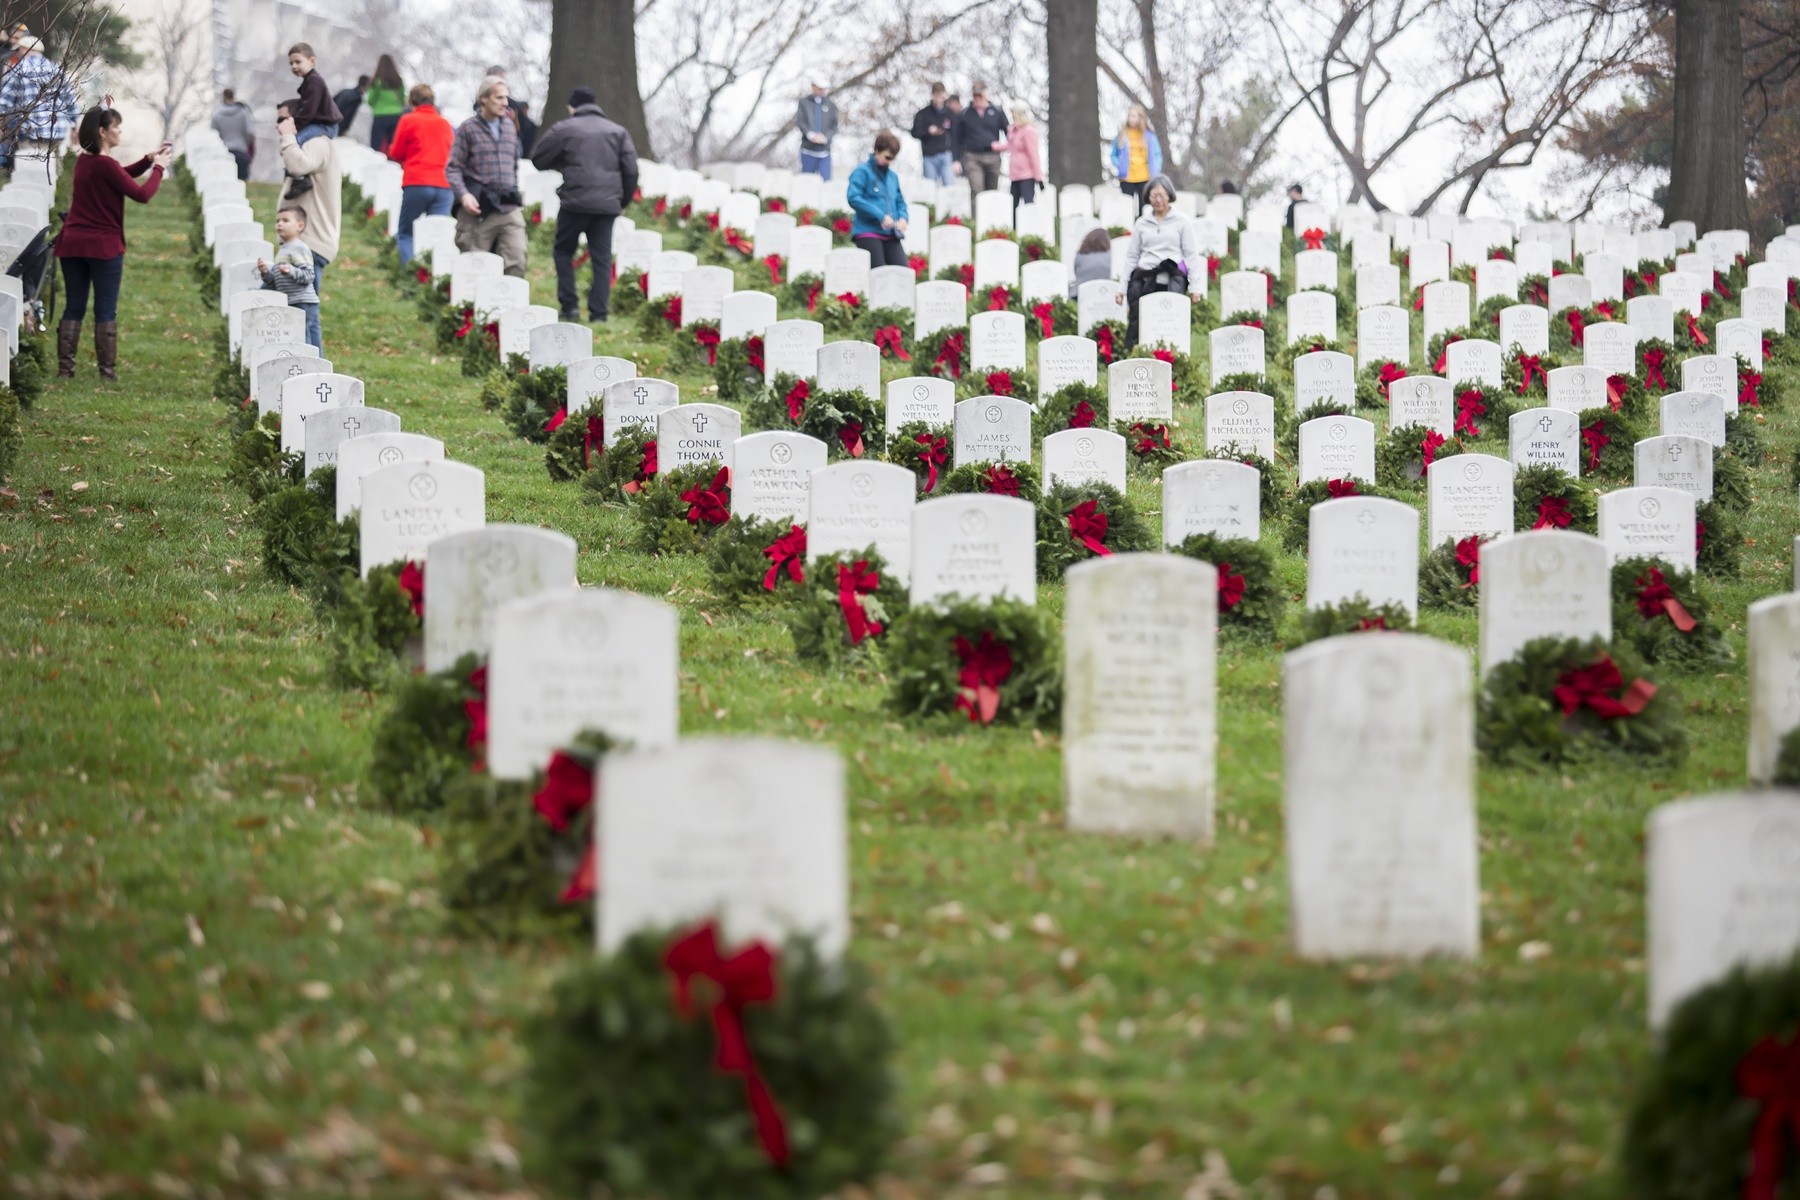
column 219, row 974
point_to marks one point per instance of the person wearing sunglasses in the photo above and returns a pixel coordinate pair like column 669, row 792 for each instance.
column 877, row 207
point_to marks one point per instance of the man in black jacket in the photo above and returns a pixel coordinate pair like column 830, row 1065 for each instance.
column 600, row 169
column 981, row 135
column 931, row 125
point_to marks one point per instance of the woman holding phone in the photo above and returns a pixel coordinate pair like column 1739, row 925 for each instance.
column 92, row 243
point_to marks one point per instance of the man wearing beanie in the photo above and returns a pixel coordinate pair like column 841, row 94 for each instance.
column 599, row 172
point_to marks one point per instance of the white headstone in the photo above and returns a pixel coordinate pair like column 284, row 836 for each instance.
column 408, row 505
column 1337, row 448
column 997, row 341
column 892, row 288
column 1545, row 437
column 1651, row 317
column 848, row 366
column 1139, row 389
column 1083, row 456
column 792, row 348
column 559, row 344
column 746, row 314
column 992, row 429
column 1324, row 376
column 937, row 305
column 1243, row 291
column 974, row 546
column 469, row 573
column 856, row 505
column 1474, row 360
column 590, row 377
column 1166, row 319
column 1062, row 361
column 1525, row 328
column 1383, row 334
column 1446, row 307
column 771, row 474
column 1649, row 522
column 1712, row 373
column 1468, row 495
column 1243, row 422
column 1311, row 315
column 277, row 364
column 1363, row 545
column 1570, row 291
column 1377, row 284
column 1576, row 389
column 1611, row 346
column 847, row 272
column 329, row 430
column 304, row 395
column 635, row 402
column 919, row 398
column 696, row 433
column 1236, row 350
column 1675, row 461
column 1542, row 583
column 516, row 325
column 1215, row 496
column 357, row 457
column 1694, row 414
column 1426, row 400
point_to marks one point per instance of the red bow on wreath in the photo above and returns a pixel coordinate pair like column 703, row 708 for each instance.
column 707, row 336
column 998, row 480
column 710, row 504
column 747, row 977
column 592, row 438
column 1577, row 327
column 1770, row 1075
column 919, row 264
column 1749, row 382
column 1593, row 686
column 1103, row 339
column 1553, row 513
column 1083, row 416
column 643, row 282
column 786, row 553
column 476, row 711
column 999, row 296
column 1595, row 439
column 412, row 582
column 1443, row 358
column 950, row 355
column 985, row 666
column 1655, row 598
column 1046, row 318
column 1653, row 368
column 850, row 436
column 1429, row 445
column 1231, row 587
column 568, row 790
column 890, row 341
column 933, row 454
column 1212, row 266
column 736, row 241
column 686, row 211
column 468, row 319
column 712, row 220
column 1149, row 438
column 841, row 225
column 854, row 581
column 646, row 469
column 1391, row 373
column 812, row 295
column 1314, row 239
column 556, row 420
column 1337, row 489
column 1529, row 365
column 1694, row 330
column 774, row 263
column 1367, row 623
column 423, row 275
column 1468, row 556
column 1605, row 309
column 1000, row 383
column 1087, row 525
column 796, row 400
column 850, row 298
column 672, row 311
column 753, row 353
column 775, row 204
column 1468, row 408
column 965, row 275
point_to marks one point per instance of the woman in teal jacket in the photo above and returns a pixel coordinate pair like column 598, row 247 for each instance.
column 877, row 209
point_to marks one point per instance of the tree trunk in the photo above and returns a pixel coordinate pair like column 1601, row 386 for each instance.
column 1706, row 174
column 593, row 43
column 1072, row 34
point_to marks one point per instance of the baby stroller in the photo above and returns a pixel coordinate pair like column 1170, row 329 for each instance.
column 32, row 268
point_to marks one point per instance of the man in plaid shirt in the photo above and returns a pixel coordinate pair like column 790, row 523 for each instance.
column 37, row 103
column 483, row 173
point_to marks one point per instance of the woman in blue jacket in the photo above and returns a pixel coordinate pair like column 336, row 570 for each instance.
column 1136, row 155
column 878, row 210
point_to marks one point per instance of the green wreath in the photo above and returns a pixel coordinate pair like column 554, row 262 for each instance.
column 508, row 871
column 481, row 350
column 1487, row 313
column 1371, row 392
column 1519, row 720
column 1203, row 314
column 1706, row 321
column 1150, row 446
column 623, row 1098
column 1449, row 573
column 697, row 334
column 768, row 408
column 533, row 400
column 1109, row 340
column 1400, row 456
column 621, row 473
column 1298, row 530
column 816, row 615
column 1743, row 437
column 1731, row 482
column 1287, row 355
column 658, row 320
column 1185, row 372
column 630, row 292
column 31, row 367
column 899, row 318
column 1270, row 500
column 840, row 317
column 663, row 524
column 1770, row 389
column 12, row 431
column 1250, row 596
column 1252, row 318
column 1018, row 382
column 924, row 665
column 1019, row 479
column 1608, row 441
column 738, row 561
column 303, row 542
column 370, row 621
column 849, row 423
column 736, row 370
column 802, row 292
column 1071, row 519
column 1482, row 410
column 1512, row 372
column 575, row 445
column 1652, row 601
column 496, row 390
column 257, row 464
column 1077, row 406
column 1063, row 315
column 422, row 742
column 1690, row 1129
column 1358, row 614
column 1547, row 498
column 943, row 353
column 1443, row 340
column 905, row 449
column 1718, row 539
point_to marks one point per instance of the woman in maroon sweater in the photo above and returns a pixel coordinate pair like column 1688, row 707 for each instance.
column 92, row 242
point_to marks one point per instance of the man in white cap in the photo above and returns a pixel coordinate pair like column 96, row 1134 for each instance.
column 38, row 106
column 817, row 122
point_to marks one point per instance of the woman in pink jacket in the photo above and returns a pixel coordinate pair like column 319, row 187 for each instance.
column 1024, row 166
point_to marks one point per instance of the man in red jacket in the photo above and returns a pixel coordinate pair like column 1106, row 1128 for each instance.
column 421, row 146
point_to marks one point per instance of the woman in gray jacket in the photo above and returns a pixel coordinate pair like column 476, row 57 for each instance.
column 1165, row 249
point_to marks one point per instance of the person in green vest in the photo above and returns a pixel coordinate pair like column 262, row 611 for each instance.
column 386, row 99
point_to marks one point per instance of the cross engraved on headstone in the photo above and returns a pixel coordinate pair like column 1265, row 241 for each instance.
column 1545, row 425
column 351, row 425
column 699, row 422
column 323, row 392
column 1675, row 451
column 1365, row 518
column 294, row 370
column 642, row 393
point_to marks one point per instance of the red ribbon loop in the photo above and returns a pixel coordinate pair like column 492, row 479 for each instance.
column 998, row 480
column 1748, row 395
column 850, row 434
column 1103, row 338
column 1083, row 417
column 934, row 455
column 1314, row 239
column 1087, row 525
column 796, row 400
column 1391, row 373
column 999, row 296
column 645, row 472
column 1231, row 587
column 568, row 790
column 854, row 581
column 1337, row 489
column 1429, row 445
column 1593, row 686
column 707, row 336
column 774, row 264
column 753, row 353
column 1655, row 598
column 1529, row 365
column 985, row 666
column 950, row 355
column 1577, row 327
column 1553, row 513
column 477, row 712
column 1653, row 368
column 1045, row 313
column 786, row 553
column 1000, row 383
column 745, row 978
column 593, row 438
column 712, row 503
column 1770, row 1075
column 1594, row 437
column 1468, row 556
column 412, row 582
column 889, row 340
column 1695, row 332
